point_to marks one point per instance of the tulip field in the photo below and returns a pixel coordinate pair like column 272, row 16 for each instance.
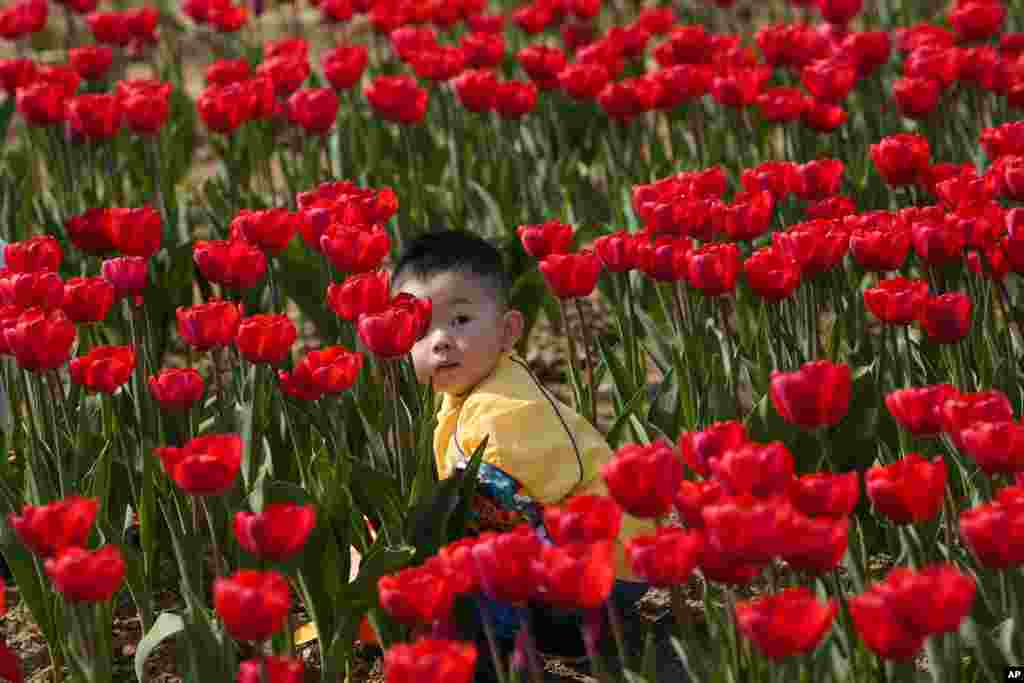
column 780, row 246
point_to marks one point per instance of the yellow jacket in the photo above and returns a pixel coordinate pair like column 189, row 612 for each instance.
column 548, row 449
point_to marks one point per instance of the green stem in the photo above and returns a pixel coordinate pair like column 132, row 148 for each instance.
column 571, row 343
column 587, row 344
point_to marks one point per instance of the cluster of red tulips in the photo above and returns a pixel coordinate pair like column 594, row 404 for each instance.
column 816, row 286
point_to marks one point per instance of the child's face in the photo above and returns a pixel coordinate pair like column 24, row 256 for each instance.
column 467, row 335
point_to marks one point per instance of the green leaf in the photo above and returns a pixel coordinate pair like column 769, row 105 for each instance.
column 442, row 517
column 167, row 625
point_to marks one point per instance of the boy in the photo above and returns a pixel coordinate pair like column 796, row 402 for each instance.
column 539, row 451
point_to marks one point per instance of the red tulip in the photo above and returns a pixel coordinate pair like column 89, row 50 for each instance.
column 778, row 177
column 1002, row 140
column 664, row 259
column 270, row 229
column 693, row 497
column 355, row 249
column 946, row 319
column 438, row 63
column 749, row 216
column 104, row 369
column 41, row 289
column 829, row 79
column 331, row 370
column 223, row 108
column 754, row 469
column 486, row 23
column 41, row 103
column 583, row 519
column 277, row 533
column 825, row 494
column 266, row 338
column 40, row 340
column 397, row 98
column 901, row 159
column 176, row 390
column 618, row 251
column 919, row 409
column 232, row 263
column 898, row 612
column 515, row 99
column 91, row 61
column 87, row 575
column 430, row 659
column 87, row 299
column 48, row 529
column 483, row 50
column 227, row 71
column 391, row 333
column 205, row 326
column 476, row 89
column 94, row 116
column 816, row 395
column 287, row 72
column 41, row 252
column 544, row 239
column 10, row 665
column 16, row 73
column 818, row 245
column 996, row 447
column 681, row 83
column 786, row 623
column 738, row 88
column 880, row 247
column 824, row 117
column 938, row 242
column 909, row 490
column 896, row 301
column 782, row 104
column 504, row 564
column 128, row 274
column 667, row 557
column 772, row 274
column 344, row 65
column 135, row 232
column 813, row 544
column 583, row 81
column 917, row 98
column 575, row 576
column 206, row 465
column 713, row 268
column 313, row 109
column 90, row 231
column 994, row 532
column 277, row 670
column 839, row 11
column 977, row 20
column 644, row 479
column 819, row 179
column 745, row 529
column 571, row 276
column 699, row 449
column 456, row 560
column 252, row 604
column 833, row 208
column 145, row 103
column 358, row 294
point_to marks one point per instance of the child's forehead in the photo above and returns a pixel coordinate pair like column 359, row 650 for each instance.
column 447, row 288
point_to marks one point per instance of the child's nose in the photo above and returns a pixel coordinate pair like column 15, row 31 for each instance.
column 441, row 341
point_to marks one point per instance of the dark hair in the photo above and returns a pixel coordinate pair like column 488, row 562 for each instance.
column 457, row 251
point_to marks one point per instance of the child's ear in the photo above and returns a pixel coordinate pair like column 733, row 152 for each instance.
column 512, row 329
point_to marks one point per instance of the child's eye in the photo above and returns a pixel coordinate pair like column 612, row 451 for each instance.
column 461, row 319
